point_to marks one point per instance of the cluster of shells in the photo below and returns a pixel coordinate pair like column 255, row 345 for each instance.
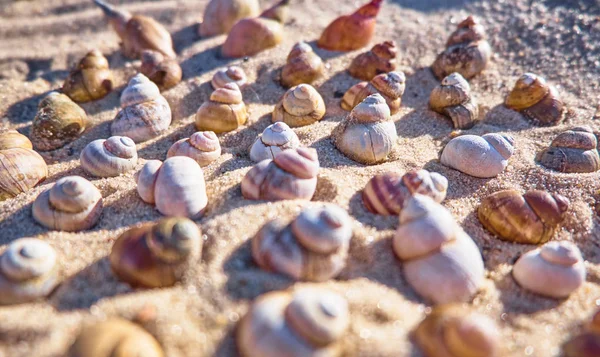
column 440, row 261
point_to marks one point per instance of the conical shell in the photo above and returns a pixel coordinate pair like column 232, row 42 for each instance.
column 453, row 99
column 225, row 111
column 274, row 139
column 221, row 15
column 58, row 122
column 20, row 170
column 574, row 150
column 303, row 66
column 380, row 59
column 202, row 146
column 163, row 71
column 301, row 105
column 349, row 97
column 13, row 139
column 90, row 80
column 389, row 85
column 468, row 30
column 232, row 74
column 537, row 100
column 108, row 158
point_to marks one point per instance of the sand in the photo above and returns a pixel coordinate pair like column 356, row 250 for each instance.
column 560, row 40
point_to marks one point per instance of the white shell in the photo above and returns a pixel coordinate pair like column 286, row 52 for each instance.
column 202, row 146
column 108, row 158
column 274, row 139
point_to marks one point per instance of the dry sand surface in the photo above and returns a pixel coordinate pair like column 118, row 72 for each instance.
column 41, row 39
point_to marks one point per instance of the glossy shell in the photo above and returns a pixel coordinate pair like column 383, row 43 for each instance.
column 221, row 15
column 202, row 146
column 301, row 105
column 380, row 59
column 274, row 139
column 225, row 111
column 108, row 158
column 536, row 99
column 91, row 79
column 232, row 74
column 452, row 98
column 303, row 66
column 20, row 170
column 574, row 150
column 165, row 72
column 389, row 85
column 11, row 139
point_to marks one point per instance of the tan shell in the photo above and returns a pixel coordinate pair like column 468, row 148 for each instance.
column 349, row 97
column 301, row 105
column 20, row 170
column 13, row 139
column 536, row 99
column 380, row 59
column 221, row 15
column 165, row 72
column 202, row 146
column 389, row 85
column 232, row 74
column 274, row 139
column 90, row 80
column 225, row 111
column 303, row 66
column 574, row 150
column 109, row 158
column 453, row 99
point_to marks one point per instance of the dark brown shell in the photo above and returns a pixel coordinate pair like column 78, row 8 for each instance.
column 58, row 122
column 572, row 151
column 90, row 80
column 163, row 71
column 453, row 99
column 380, row 59
column 548, row 111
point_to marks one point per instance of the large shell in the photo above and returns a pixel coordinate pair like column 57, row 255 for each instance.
column 71, row 204
column 202, row 146
column 107, row 158
column 225, row 111
column 90, row 80
column 163, row 71
column 58, row 122
column 380, row 59
column 441, row 262
column 313, row 247
column 368, row 134
column 574, row 150
column 536, row 99
column 389, row 85
column 453, row 99
column 13, row 139
column 28, row 271
column 303, row 66
column 20, row 170
column 300, row 105
column 274, row 139
column 221, row 15
column 232, row 74
column 145, row 113
column 531, row 218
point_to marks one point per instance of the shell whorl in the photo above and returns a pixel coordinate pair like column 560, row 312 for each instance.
column 371, row 109
column 574, row 150
column 453, row 90
column 298, row 50
column 173, row 239
column 274, row 139
column 323, row 230
column 111, row 157
column 232, row 74
column 20, row 170
column 139, row 90
column 468, row 30
column 228, row 94
column 301, row 100
column 390, row 84
column 529, row 90
column 503, row 144
column 202, row 146
column 13, row 139
column 70, row 194
column 302, row 162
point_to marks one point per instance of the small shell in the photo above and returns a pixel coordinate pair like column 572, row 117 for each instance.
column 290, row 175
column 145, row 113
column 531, row 218
column 274, row 139
column 175, row 186
column 221, row 15
column 13, row 139
column 537, row 100
column 72, row 204
column 313, row 247
column 479, row 156
column 380, row 59
column 156, row 254
column 163, row 71
column 386, row 194
column 455, row 331
column 115, row 337
column 309, row 322
column 349, row 97
column 441, row 262
column 109, row 158
column 301, row 105
column 389, row 85
column 225, row 111
column 453, row 99
column 58, row 122
column 20, row 170
column 90, row 80
column 555, row 270
column 303, row 66
column 233, row 74
column 202, row 146
column 351, row 32
column 28, row 271
column 574, row 150
column 368, row 134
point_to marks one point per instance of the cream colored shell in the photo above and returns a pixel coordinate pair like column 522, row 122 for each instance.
column 301, row 105
column 274, row 139
column 202, row 146
column 232, row 74
column 108, row 158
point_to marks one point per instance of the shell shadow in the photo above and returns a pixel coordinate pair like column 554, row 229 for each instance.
column 418, row 88
column 239, row 141
column 324, row 54
column 516, row 300
column 333, row 90
column 75, row 171
column 227, row 201
column 157, row 150
column 417, row 123
column 121, row 210
column 326, row 190
column 261, row 91
column 364, row 216
column 189, row 104
column 325, row 148
column 203, row 62
column 26, row 227
column 227, row 346
column 507, row 119
column 185, row 37
column 24, row 110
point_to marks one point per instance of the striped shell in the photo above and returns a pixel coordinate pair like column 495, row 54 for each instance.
column 20, row 170
column 389, row 85
column 452, row 98
column 574, row 150
column 225, row 111
column 107, row 158
column 13, row 139
column 536, row 99
column 202, row 146
column 274, row 139
column 303, row 66
column 301, row 105
column 232, row 74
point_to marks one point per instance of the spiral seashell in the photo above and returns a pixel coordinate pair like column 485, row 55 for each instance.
column 225, row 111
column 467, row 51
column 164, row 71
column 380, row 59
column 452, row 98
column 145, row 113
column 309, row 322
column 455, row 331
column 58, row 122
column 301, row 105
column 303, row 66
column 313, row 247
column 368, row 134
column 20, row 169
column 574, row 150
column 250, row 36
column 137, row 32
column 531, row 218
column 90, row 80
column 274, row 139
column 479, row 156
column 158, row 254
column 586, row 344
column 202, row 146
column 28, row 271
column 349, row 97
column 175, row 186
column 386, row 194
column 441, row 262
column 221, row 15
column 536, row 99
column 11, row 139
column 291, row 175
column 109, row 158
column 389, row 85
column 554, row 270
column 351, row 32
column 232, row 74
column 115, row 337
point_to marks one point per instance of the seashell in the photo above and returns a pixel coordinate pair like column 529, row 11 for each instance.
column 303, row 66
column 115, row 337
column 58, row 122
column 145, row 113
column 164, row 71
column 455, row 331
column 291, row 175
column 531, row 218
column 479, row 156
column 380, row 59
column 536, row 99
column 28, row 271
column 467, row 51
column 301, row 105
column 453, row 99
column 221, row 15
column 313, row 247
column 586, row 344
column 387, row 193
column 232, row 74
column 90, row 80
column 250, row 36
column 441, row 262
column 20, row 169
column 202, row 146
column 176, row 186
column 274, row 139
column 109, row 158
column 368, row 134
column 389, row 85
column 351, row 32
column 11, row 139
column 349, row 97
column 156, row 255
column 72, row 204
column 309, row 322
column 225, row 111
column 137, row 32
column 574, row 150
column 554, row 270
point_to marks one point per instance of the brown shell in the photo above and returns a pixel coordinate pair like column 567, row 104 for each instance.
column 303, row 66
column 221, row 15
column 300, row 105
column 163, row 71
column 574, row 150
column 586, row 344
column 58, row 122
column 469, row 59
column 20, row 170
column 90, row 80
column 13, row 139
column 452, row 98
column 469, row 30
column 349, row 97
column 536, row 99
column 380, row 59
column 225, row 111
column 390, row 85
